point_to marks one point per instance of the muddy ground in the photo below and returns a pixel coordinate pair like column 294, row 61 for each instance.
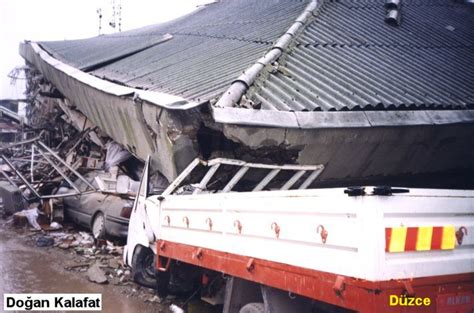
column 26, row 268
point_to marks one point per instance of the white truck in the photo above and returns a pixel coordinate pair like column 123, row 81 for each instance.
column 258, row 238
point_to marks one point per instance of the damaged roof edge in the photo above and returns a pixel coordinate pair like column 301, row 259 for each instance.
column 359, row 119
column 239, row 86
column 31, row 51
column 225, row 112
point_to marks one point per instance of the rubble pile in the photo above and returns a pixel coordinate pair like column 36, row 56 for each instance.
column 56, row 143
column 55, row 152
column 100, row 260
column 56, row 156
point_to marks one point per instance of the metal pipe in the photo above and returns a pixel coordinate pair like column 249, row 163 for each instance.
column 81, row 137
column 266, row 180
column 24, row 160
column 293, row 167
column 32, row 177
column 393, row 18
column 235, row 179
column 8, row 178
column 292, row 180
column 311, row 178
column 23, row 179
column 11, row 114
column 239, row 87
column 65, row 164
column 393, row 4
column 206, row 178
column 182, row 176
column 58, row 170
column 22, row 142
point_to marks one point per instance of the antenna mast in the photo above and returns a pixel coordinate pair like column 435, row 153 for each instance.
column 99, row 12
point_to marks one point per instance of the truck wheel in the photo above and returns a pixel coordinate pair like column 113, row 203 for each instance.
column 143, row 267
column 98, row 226
column 253, row 308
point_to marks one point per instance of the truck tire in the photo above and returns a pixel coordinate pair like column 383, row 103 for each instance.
column 253, row 308
column 143, row 267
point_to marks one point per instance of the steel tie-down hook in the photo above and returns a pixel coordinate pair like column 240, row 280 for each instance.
column 197, row 254
column 186, row 220
column 462, row 231
column 324, row 233
column 209, row 223
column 276, row 228
column 162, row 246
column 291, row 295
column 238, row 225
column 250, row 265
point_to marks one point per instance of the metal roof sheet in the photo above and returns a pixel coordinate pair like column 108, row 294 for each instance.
column 348, row 58
column 209, row 48
column 91, row 53
column 190, row 67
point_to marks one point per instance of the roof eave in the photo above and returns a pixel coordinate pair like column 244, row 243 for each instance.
column 50, row 67
column 355, row 119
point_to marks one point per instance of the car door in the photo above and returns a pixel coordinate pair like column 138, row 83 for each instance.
column 137, row 227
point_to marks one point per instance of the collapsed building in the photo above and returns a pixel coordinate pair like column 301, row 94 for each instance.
column 366, row 88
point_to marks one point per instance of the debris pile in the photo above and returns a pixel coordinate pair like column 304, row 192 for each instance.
column 54, row 158
column 56, row 146
column 57, row 162
column 99, row 260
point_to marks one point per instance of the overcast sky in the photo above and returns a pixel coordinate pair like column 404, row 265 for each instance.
column 42, row 20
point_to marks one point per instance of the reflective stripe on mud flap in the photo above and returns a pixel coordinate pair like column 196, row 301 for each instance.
column 425, row 238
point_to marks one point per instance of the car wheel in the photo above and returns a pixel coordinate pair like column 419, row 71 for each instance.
column 253, row 308
column 98, row 226
column 143, row 267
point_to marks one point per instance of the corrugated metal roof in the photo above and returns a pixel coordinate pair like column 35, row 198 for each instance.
column 93, row 52
column 189, row 67
column 209, row 48
column 348, row 58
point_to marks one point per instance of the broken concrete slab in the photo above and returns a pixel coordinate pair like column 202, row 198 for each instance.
column 96, row 274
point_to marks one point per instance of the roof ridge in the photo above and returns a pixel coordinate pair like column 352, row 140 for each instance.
column 240, row 86
column 381, row 45
column 222, row 37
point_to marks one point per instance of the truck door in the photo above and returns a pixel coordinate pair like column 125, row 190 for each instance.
column 137, row 227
